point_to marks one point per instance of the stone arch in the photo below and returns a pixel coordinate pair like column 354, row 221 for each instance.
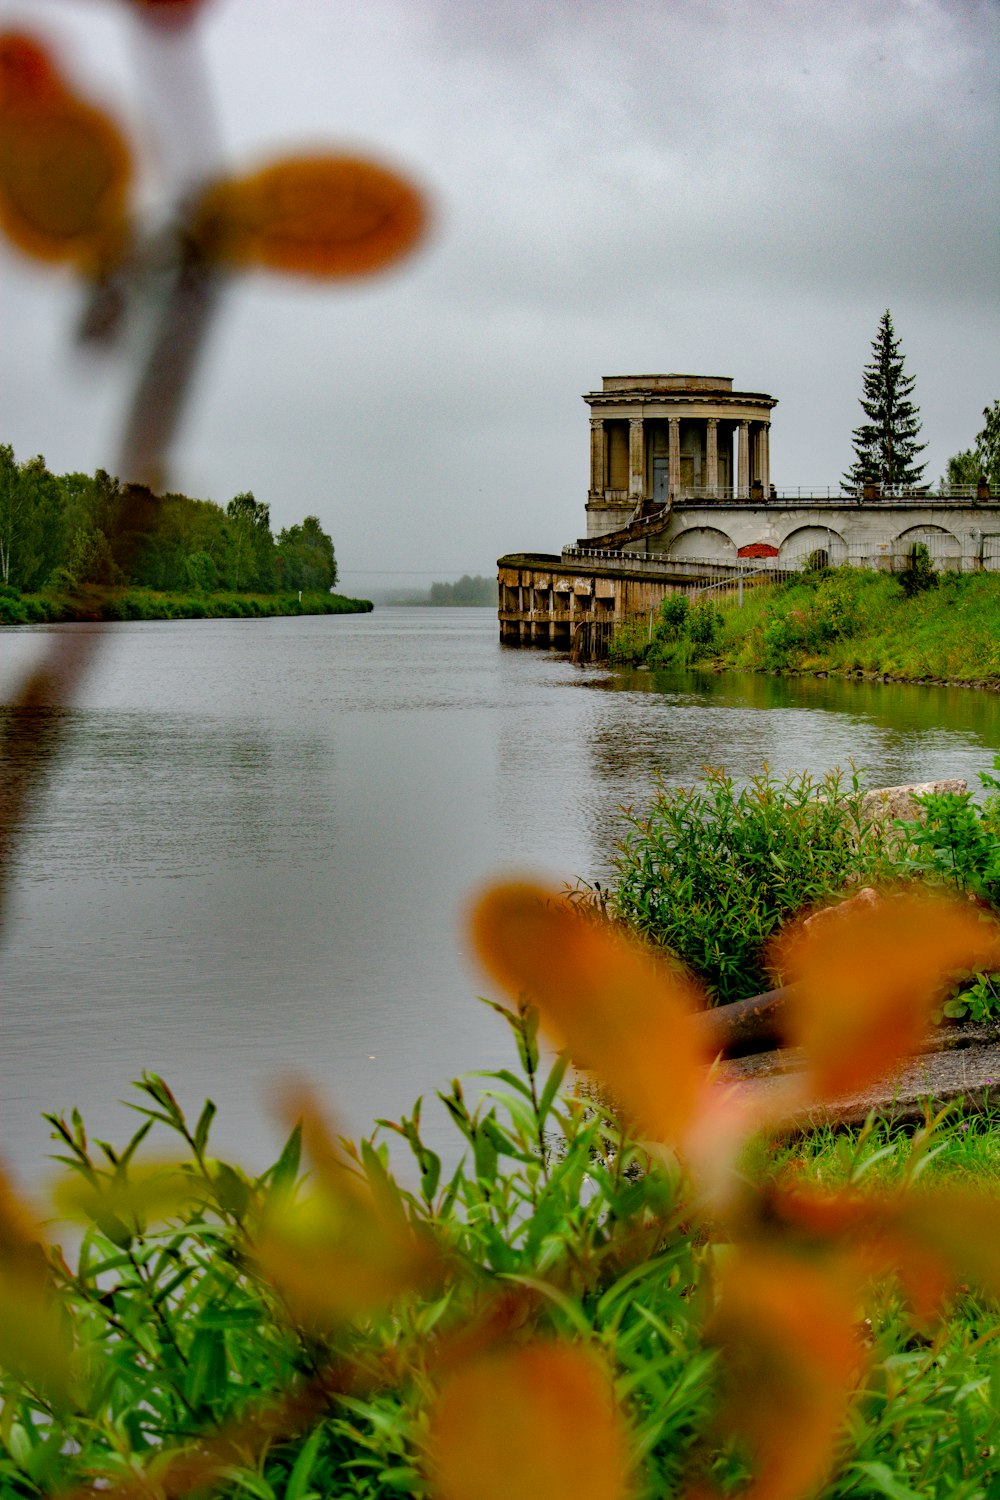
column 804, row 541
column 943, row 545
column 703, row 544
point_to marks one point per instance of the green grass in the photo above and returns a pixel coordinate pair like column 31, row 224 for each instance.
column 842, row 620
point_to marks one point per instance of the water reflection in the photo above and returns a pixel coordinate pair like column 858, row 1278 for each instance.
column 669, row 726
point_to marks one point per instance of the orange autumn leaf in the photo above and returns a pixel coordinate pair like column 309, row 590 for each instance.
column 961, row 1229
column 535, row 1422
column 866, row 985
column 621, row 1012
column 931, row 1238
column 65, row 167
column 345, row 1248
column 785, row 1326
column 322, row 216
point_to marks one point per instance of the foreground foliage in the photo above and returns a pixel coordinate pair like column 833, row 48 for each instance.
column 582, row 1309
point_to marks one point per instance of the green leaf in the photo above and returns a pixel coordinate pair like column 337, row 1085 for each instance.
column 881, row 1477
column 232, row 1191
column 203, row 1126
column 298, row 1479
column 552, row 1085
column 284, row 1173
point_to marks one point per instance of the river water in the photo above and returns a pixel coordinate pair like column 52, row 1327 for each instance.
column 254, row 854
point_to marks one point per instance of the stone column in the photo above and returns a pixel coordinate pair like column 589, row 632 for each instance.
column 712, row 455
column 743, row 460
column 636, row 459
column 674, row 458
column 597, row 459
column 764, row 456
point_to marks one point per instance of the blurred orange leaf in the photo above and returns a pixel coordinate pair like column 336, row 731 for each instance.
column 323, row 216
column 34, row 1341
column 961, row 1228
column 64, row 165
column 866, row 985
column 785, row 1326
column 169, row 12
column 931, row 1238
column 621, row 1011
column 346, row 1248
column 538, row 1422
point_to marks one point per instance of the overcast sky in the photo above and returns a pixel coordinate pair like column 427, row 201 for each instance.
column 723, row 187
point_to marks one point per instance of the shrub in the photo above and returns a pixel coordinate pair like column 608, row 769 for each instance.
column 673, row 615
column 703, row 625
column 710, row 872
column 919, row 574
column 12, row 609
column 956, row 844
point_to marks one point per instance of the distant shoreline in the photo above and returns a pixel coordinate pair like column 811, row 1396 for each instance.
column 94, row 605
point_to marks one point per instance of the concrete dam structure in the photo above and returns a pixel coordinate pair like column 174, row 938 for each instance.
column 681, row 499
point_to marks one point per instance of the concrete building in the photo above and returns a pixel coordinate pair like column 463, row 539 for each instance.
column 681, row 498
column 654, row 438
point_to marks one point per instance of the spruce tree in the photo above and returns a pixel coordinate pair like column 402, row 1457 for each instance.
column 886, row 447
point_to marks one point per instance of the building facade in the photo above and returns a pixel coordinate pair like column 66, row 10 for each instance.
column 661, row 438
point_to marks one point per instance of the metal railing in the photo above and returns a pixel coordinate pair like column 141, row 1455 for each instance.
column 741, row 494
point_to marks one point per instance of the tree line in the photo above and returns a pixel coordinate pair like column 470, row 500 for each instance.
column 66, row 531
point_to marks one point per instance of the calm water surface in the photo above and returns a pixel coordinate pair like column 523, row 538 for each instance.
column 261, row 835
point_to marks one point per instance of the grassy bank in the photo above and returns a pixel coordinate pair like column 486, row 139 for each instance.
column 150, row 604
column 843, row 620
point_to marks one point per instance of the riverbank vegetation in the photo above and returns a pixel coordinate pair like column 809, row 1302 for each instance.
column 77, row 546
column 92, row 603
column 837, row 620
column 712, row 872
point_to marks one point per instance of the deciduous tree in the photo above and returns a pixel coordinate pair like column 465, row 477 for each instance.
column 981, row 461
column 305, row 558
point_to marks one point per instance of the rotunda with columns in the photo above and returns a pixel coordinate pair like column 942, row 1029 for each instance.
column 656, row 439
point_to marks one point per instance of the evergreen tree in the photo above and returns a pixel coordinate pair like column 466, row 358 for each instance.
column 886, row 447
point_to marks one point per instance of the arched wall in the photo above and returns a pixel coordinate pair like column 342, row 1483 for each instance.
column 804, row 540
column 706, row 543
column 943, row 545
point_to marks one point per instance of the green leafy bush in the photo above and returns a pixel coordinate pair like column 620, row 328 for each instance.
column 956, row 844
column 918, row 576
column 711, row 872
